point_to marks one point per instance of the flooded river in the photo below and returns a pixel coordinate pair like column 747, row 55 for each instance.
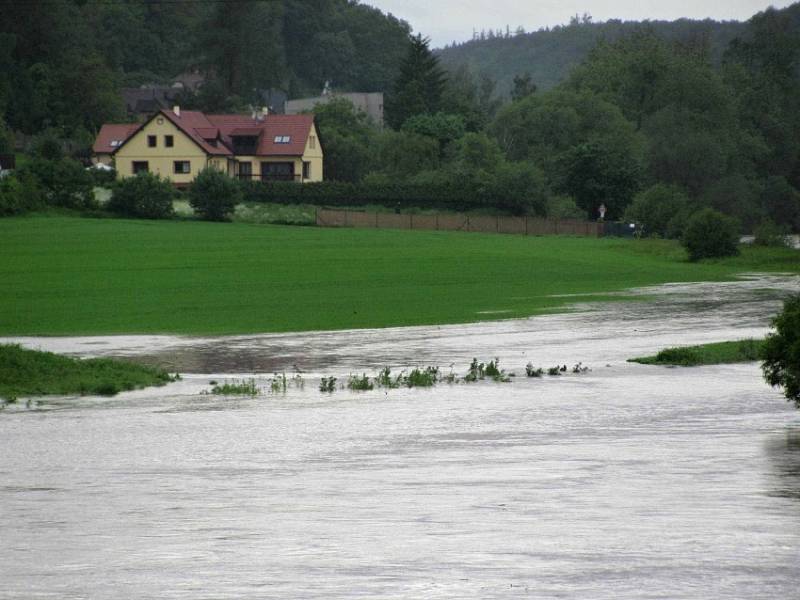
column 627, row 481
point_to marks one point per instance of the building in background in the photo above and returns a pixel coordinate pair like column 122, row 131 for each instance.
column 179, row 144
column 142, row 102
column 370, row 103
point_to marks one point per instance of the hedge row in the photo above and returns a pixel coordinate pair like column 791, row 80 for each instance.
column 451, row 195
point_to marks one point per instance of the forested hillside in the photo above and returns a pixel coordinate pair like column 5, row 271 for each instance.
column 659, row 123
column 62, row 62
column 548, row 55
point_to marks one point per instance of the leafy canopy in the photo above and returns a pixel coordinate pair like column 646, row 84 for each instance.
column 781, row 351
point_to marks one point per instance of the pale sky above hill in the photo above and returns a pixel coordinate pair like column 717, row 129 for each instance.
column 445, row 21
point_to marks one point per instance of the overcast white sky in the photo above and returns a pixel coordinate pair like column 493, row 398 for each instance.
column 447, row 20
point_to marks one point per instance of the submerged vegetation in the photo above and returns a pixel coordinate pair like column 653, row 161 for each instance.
column 706, row 354
column 361, row 383
column 236, row 388
column 430, row 376
column 279, row 383
column 34, row 373
column 327, row 384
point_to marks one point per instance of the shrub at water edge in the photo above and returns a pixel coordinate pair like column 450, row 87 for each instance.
column 781, row 351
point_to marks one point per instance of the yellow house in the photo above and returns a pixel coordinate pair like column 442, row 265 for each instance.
column 179, row 144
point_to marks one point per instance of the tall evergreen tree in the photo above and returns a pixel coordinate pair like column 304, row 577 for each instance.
column 242, row 45
column 418, row 89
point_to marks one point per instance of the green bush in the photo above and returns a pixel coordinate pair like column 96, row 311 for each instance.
column 443, row 127
column 102, row 177
column 676, row 226
column 48, row 147
column 144, row 196
column 19, row 195
column 656, row 207
column 770, row 234
column 781, row 351
column 781, row 202
column 405, row 153
column 6, row 139
column 739, row 197
column 428, row 190
column 64, row 182
column 710, row 234
column 518, row 187
column 564, row 207
column 214, row 195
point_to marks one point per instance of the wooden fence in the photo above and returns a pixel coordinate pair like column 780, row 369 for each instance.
column 458, row 222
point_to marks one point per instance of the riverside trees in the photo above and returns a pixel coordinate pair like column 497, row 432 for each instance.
column 781, row 351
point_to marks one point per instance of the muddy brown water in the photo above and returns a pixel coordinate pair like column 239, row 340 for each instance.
column 628, row 481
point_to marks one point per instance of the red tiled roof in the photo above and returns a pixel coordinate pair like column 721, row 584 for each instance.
column 207, row 133
column 247, row 131
column 200, row 128
column 192, row 123
column 297, row 127
column 112, row 132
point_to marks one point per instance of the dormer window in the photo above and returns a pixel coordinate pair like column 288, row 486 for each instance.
column 115, row 143
column 282, row 139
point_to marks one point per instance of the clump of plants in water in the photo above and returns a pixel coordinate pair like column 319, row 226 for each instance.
column 426, row 377
column 362, row 383
column 477, row 371
column 327, row 384
column 430, row 376
column 385, row 380
column 245, row 387
column 494, row 371
column 450, row 377
column 277, row 384
column 531, row 371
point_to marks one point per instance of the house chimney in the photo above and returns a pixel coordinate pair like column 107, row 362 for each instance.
column 177, row 110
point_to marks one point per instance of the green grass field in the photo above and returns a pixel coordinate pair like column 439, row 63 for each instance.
column 68, row 275
column 718, row 353
column 33, row 373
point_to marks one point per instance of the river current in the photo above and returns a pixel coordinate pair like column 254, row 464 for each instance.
column 626, row 481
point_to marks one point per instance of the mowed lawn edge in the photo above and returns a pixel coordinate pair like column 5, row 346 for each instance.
column 75, row 276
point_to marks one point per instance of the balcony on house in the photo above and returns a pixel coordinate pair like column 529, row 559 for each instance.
column 270, row 171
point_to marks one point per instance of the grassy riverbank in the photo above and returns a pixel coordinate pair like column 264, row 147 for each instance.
column 65, row 276
column 32, row 373
column 706, row 354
